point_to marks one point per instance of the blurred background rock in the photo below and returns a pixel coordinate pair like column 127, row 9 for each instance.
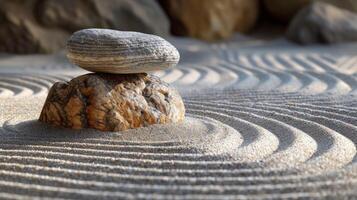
column 43, row 26
column 211, row 19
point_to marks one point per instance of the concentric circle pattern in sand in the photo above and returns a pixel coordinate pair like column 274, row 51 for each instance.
column 262, row 123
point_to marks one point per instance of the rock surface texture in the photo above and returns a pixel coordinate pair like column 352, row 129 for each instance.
column 42, row 26
column 110, row 102
column 120, row 52
column 211, row 19
column 323, row 23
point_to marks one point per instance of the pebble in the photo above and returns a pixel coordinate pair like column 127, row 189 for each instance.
column 120, row 52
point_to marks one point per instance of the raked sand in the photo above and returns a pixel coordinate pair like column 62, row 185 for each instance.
column 264, row 120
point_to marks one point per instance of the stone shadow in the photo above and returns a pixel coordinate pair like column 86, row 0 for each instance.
column 34, row 130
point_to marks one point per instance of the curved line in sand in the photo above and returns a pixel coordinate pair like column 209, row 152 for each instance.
column 262, row 125
column 303, row 73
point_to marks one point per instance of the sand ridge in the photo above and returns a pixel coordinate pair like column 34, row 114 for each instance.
column 263, row 122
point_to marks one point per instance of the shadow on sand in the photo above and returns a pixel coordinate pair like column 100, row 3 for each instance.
column 33, row 129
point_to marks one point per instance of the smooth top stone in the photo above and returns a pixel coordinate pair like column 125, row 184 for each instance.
column 120, row 52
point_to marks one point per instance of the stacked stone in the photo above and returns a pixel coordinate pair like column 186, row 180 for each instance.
column 119, row 95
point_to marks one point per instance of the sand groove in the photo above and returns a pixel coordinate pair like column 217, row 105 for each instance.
column 269, row 122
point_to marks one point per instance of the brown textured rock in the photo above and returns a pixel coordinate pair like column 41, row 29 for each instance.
column 110, row 102
column 284, row 10
column 211, row 19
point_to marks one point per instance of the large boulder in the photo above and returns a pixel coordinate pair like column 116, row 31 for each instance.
column 20, row 33
column 110, row 102
column 211, row 19
column 138, row 15
column 284, row 10
column 42, row 26
column 323, row 23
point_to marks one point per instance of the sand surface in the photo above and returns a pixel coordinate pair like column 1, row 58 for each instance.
column 264, row 120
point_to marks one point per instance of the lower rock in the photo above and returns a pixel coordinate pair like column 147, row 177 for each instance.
column 111, row 102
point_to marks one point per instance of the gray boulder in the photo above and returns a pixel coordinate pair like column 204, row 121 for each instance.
column 126, row 15
column 43, row 26
column 323, row 23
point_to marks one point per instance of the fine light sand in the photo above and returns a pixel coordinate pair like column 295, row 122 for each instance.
column 264, row 120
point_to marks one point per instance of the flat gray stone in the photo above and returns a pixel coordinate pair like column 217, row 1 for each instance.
column 120, row 52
